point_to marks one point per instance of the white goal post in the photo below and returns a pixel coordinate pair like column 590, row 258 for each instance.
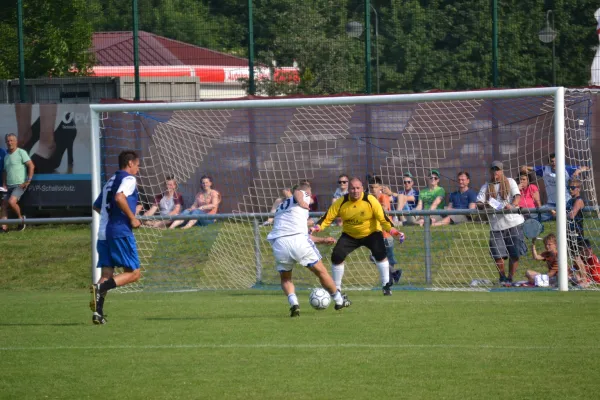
column 200, row 132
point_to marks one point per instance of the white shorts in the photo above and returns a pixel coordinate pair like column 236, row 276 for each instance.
column 289, row 250
column 542, row 280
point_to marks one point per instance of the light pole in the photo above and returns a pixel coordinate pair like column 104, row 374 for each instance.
column 355, row 29
column 547, row 35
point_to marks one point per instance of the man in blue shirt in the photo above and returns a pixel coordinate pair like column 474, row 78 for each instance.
column 463, row 199
column 117, row 204
column 548, row 174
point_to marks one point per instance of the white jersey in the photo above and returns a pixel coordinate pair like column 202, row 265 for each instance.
column 549, row 177
column 106, row 190
column 500, row 222
column 290, row 218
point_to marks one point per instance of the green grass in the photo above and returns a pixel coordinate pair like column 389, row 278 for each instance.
column 243, row 345
column 59, row 257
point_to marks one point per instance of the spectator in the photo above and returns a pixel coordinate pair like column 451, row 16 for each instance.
column 16, row 177
column 2, row 190
column 530, row 194
column 408, row 198
column 206, row 202
column 548, row 174
column 432, row 197
column 550, row 256
column 285, row 193
column 579, row 246
column 506, row 230
column 168, row 203
column 376, row 189
column 2, row 155
column 342, row 190
column 463, row 199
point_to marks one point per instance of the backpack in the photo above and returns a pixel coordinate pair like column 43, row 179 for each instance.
column 593, row 268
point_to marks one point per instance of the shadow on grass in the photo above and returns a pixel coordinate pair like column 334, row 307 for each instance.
column 43, row 324
column 212, row 317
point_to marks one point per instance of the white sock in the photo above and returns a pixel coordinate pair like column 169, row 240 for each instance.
column 337, row 297
column 292, row 299
column 384, row 271
column 337, row 273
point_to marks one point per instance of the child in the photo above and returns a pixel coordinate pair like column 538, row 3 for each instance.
column 551, row 258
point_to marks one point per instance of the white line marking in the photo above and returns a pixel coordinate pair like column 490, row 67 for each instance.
column 297, row 346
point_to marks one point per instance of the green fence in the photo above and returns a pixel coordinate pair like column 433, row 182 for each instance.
column 189, row 50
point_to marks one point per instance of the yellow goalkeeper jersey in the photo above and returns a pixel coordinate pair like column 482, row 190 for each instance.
column 360, row 217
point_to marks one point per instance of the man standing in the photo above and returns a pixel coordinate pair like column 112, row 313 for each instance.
column 16, row 177
column 548, row 174
column 506, row 230
column 363, row 219
column 291, row 244
column 119, row 198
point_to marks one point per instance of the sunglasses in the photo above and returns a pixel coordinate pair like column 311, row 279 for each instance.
column 434, row 177
column 573, row 187
column 407, row 182
column 340, row 182
column 494, row 169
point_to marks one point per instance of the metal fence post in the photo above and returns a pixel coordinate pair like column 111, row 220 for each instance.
column 257, row 256
column 427, row 240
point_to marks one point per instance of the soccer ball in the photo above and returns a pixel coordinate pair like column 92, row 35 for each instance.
column 319, row 299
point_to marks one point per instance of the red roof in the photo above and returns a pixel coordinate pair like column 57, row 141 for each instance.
column 116, row 49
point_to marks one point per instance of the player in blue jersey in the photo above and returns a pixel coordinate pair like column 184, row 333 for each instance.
column 116, row 243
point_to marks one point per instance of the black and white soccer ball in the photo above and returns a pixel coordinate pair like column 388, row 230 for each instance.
column 319, row 299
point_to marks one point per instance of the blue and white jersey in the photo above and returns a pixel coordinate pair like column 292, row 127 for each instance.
column 118, row 223
column 102, row 204
column 290, row 218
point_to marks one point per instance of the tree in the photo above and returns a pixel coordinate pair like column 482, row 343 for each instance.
column 57, row 38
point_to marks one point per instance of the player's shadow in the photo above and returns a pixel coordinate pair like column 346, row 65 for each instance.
column 41, row 324
column 217, row 317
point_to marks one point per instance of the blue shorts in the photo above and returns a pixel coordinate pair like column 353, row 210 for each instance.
column 123, row 252
column 103, row 254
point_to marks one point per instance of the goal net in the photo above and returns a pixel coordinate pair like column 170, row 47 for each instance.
column 253, row 149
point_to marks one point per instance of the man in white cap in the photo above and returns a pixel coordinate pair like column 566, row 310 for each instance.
column 506, row 230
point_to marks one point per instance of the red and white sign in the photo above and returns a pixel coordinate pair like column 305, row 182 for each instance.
column 207, row 74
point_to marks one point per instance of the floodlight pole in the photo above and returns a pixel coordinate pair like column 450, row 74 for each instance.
column 368, row 85
column 22, row 89
column 553, row 49
column 136, row 52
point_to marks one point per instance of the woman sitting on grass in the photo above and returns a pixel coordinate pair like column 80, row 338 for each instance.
column 206, row 202
column 168, row 203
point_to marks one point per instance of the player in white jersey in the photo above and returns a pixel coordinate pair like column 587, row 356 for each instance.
column 292, row 244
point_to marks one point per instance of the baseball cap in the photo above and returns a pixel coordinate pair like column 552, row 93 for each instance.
column 408, row 175
column 497, row 164
column 435, row 172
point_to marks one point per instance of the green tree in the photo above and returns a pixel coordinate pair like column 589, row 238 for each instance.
column 57, row 38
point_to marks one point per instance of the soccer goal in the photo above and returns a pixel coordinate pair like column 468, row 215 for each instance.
column 252, row 149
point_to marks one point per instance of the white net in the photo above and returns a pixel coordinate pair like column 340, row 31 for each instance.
column 251, row 154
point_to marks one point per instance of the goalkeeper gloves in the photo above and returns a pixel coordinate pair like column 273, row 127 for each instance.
column 397, row 234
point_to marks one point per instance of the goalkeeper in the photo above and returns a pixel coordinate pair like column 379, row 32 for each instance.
column 363, row 219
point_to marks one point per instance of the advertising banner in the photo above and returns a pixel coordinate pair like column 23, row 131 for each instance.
column 57, row 138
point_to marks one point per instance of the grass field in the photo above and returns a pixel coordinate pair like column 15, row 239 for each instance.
column 243, row 345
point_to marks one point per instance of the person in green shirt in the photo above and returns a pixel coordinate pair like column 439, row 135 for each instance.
column 432, row 197
column 16, row 177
